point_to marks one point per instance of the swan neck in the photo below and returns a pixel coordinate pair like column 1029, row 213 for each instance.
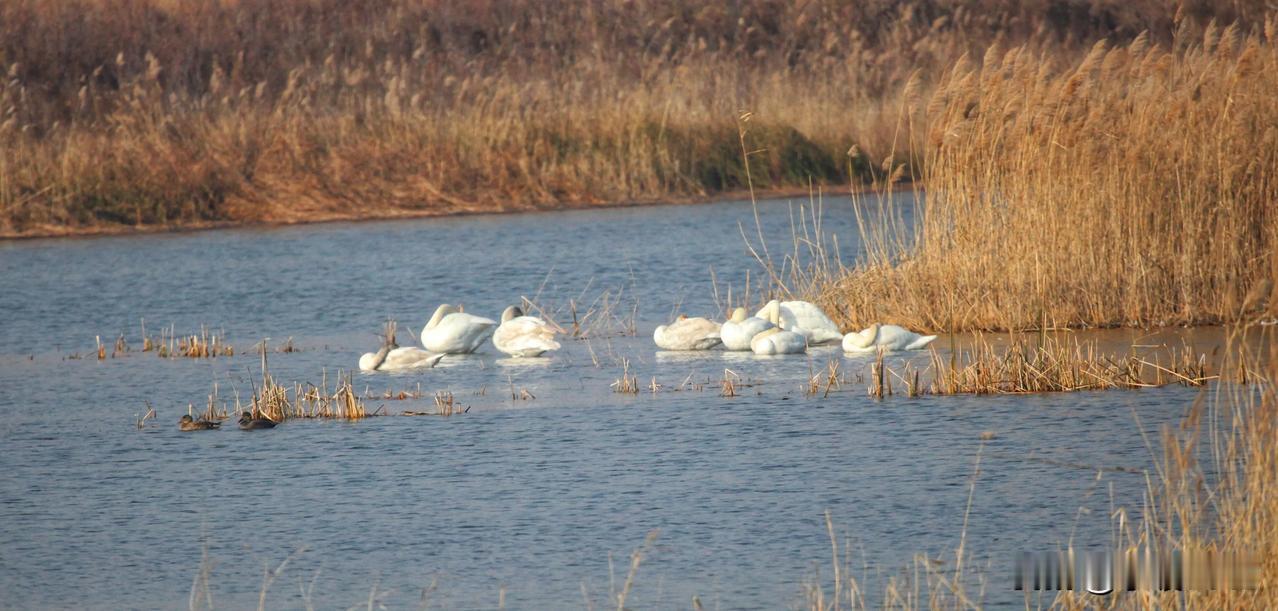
column 511, row 313
column 380, row 357
column 440, row 312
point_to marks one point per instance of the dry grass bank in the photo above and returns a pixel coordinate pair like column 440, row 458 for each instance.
column 161, row 113
column 1137, row 185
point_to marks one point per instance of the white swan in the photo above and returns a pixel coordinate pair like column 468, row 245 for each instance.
column 521, row 335
column 391, row 357
column 687, row 334
column 803, row 318
column 777, row 341
column 739, row 330
column 407, row 357
column 887, row 337
column 451, row 331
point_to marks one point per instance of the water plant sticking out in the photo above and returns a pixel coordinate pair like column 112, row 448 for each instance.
column 628, row 383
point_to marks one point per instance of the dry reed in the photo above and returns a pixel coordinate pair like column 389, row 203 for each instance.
column 278, row 402
column 112, row 114
column 1050, row 364
column 628, row 383
column 1134, row 185
column 1214, row 490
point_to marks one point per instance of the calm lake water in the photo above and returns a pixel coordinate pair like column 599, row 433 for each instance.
column 525, row 500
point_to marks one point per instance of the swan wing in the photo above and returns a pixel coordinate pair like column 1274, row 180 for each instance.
column 525, row 336
column 458, row 333
column 920, row 342
column 688, row 334
column 810, row 320
column 860, row 341
column 410, row 357
column 737, row 335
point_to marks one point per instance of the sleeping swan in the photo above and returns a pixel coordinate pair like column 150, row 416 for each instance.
column 392, row 357
column 776, row 341
column 451, row 331
column 887, row 337
column 803, row 318
column 522, row 336
column 739, row 330
column 687, row 334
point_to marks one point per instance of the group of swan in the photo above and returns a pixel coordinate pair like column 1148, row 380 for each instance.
column 782, row 327
column 452, row 331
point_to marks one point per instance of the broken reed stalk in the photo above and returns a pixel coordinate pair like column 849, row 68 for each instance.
column 445, row 403
column 880, row 384
column 728, row 386
column 628, row 383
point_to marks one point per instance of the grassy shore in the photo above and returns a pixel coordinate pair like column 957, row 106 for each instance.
column 1136, row 185
column 152, row 113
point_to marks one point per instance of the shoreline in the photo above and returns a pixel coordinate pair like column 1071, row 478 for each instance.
column 62, row 231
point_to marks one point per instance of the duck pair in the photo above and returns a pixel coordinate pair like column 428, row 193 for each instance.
column 247, row 422
column 452, row 331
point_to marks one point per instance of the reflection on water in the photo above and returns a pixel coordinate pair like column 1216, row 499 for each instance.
column 526, row 495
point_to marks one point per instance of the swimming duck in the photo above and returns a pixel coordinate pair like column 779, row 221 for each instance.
column 739, row 330
column 804, row 318
column 688, row 334
column 249, row 423
column 886, row 337
column 451, row 331
column 187, row 423
column 778, row 341
column 523, row 336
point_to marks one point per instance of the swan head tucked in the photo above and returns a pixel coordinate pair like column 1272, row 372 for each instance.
column 511, row 313
column 738, row 315
column 768, row 333
column 866, row 337
column 440, row 312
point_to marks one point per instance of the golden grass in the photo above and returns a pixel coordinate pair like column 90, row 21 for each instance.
column 628, row 383
column 278, row 402
column 1135, row 185
column 159, row 113
column 1215, row 489
column 1047, row 363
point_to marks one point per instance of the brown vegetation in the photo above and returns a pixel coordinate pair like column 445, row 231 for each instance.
column 159, row 113
column 1134, row 186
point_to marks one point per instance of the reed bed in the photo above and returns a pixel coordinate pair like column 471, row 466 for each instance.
column 1051, row 364
column 1131, row 186
column 207, row 343
column 155, row 113
column 1214, row 490
column 278, row 402
column 628, row 383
